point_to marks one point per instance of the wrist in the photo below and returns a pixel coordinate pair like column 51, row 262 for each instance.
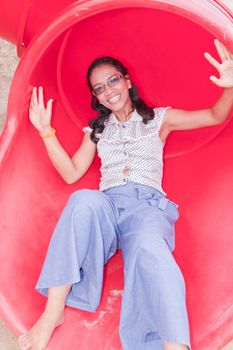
column 47, row 132
column 44, row 129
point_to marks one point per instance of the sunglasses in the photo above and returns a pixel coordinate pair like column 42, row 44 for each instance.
column 111, row 82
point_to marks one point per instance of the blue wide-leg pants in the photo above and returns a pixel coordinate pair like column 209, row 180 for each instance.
column 139, row 220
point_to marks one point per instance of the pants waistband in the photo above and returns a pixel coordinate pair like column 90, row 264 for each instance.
column 132, row 188
column 135, row 190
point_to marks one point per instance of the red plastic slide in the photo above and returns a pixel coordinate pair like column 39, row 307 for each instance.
column 162, row 43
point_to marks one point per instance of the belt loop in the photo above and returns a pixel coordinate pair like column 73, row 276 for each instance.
column 137, row 192
column 163, row 202
column 136, row 189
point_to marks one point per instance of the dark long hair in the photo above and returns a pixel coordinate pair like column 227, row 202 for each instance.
column 97, row 123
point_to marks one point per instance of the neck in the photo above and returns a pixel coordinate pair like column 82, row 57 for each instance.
column 125, row 114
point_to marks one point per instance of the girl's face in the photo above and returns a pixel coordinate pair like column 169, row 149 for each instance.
column 111, row 88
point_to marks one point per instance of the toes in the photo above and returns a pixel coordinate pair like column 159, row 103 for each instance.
column 21, row 340
column 24, row 342
column 21, row 337
column 25, row 346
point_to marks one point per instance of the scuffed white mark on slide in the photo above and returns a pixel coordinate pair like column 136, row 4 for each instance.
column 116, row 292
column 96, row 322
column 112, row 301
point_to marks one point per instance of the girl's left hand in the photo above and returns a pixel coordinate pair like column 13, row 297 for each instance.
column 225, row 68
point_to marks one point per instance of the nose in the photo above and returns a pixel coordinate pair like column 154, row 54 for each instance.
column 108, row 90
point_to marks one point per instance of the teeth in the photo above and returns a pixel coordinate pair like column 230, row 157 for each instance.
column 114, row 99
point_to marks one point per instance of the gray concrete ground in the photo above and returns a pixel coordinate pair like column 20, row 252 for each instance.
column 7, row 339
column 8, row 62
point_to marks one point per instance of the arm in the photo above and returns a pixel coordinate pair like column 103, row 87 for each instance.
column 177, row 119
column 70, row 169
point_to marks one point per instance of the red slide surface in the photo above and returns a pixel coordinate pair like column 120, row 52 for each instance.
column 162, row 43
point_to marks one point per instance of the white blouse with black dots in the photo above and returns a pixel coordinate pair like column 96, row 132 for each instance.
column 131, row 151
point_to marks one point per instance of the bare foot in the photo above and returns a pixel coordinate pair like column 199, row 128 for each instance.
column 174, row 346
column 39, row 335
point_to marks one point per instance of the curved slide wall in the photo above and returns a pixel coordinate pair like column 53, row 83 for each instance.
column 162, row 43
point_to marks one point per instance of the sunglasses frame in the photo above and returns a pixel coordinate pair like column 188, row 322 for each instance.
column 107, row 83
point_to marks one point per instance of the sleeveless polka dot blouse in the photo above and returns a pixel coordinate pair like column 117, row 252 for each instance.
column 131, row 151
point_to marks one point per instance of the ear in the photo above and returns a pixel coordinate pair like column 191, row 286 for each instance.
column 128, row 81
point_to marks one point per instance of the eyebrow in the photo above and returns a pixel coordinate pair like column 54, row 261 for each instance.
column 106, row 80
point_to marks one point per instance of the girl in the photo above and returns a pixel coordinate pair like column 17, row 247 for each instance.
column 129, row 211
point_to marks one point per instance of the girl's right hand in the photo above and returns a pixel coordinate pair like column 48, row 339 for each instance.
column 39, row 115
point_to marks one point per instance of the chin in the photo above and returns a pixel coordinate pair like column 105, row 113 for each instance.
column 117, row 107
column 114, row 108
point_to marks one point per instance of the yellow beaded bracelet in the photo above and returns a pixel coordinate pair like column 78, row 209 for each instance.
column 51, row 132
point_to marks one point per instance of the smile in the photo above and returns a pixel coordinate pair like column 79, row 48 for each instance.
column 114, row 99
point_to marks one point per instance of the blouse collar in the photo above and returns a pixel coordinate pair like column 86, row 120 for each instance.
column 134, row 117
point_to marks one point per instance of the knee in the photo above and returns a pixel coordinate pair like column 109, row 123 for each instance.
column 87, row 199
column 142, row 252
column 148, row 255
column 153, row 253
column 157, row 259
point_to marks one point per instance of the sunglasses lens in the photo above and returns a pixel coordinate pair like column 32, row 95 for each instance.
column 98, row 90
column 114, row 80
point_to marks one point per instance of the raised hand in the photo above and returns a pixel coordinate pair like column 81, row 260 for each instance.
column 225, row 68
column 39, row 115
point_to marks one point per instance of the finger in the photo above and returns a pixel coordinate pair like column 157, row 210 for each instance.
column 34, row 100
column 49, row 106
column 215, row 80
column 41, row 96
column 212, row 61
column 222, row 50
column 226, row 52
